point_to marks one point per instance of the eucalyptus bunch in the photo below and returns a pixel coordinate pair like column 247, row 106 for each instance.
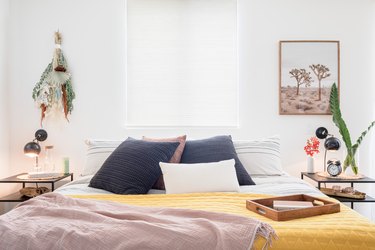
column 54, row 91
column 343, row 129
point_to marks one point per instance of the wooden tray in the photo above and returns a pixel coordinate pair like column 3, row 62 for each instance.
column 265, row 207
column 357, row 195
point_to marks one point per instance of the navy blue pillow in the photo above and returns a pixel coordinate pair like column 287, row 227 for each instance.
column 215, row 149
column 133, row 167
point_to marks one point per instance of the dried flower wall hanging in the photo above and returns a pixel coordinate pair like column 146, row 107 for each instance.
column 54, row 91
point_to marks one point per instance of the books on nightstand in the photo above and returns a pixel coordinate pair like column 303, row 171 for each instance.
column 40, row 175
column 288, row 205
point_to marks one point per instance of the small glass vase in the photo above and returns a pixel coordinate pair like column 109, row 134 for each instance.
column 310, row 165
column 37, row 168
column 351, row 163
column 49, row 165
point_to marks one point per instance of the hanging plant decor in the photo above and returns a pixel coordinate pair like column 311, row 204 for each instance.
column 54, row 91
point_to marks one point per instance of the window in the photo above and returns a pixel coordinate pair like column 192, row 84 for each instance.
column 181, row 63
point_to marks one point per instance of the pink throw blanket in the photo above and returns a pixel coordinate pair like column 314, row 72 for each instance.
column 54, row 221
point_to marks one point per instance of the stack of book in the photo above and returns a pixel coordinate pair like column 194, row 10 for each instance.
column 288, row 205
column 43, row 175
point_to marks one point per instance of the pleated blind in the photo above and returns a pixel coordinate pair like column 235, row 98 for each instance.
column 181, row 63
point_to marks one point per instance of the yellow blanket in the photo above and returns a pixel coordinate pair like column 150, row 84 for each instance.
column 344, row 230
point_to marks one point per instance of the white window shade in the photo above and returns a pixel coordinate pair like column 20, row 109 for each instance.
column 181, row 63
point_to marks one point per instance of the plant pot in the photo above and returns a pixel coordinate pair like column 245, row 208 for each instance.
column 349, row 172
column 310, row 165
column 351, row 163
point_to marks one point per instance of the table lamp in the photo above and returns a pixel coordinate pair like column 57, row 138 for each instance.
column 331, row 143
column 32, row 149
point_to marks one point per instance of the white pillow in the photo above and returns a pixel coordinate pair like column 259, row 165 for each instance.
column 97, row 152
column 200, row 177
column 261, row 157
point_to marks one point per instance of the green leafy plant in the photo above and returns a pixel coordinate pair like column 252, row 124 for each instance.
column 343, row 129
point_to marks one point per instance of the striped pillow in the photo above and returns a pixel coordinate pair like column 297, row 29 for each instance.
column 97, row 152
column 260, row 157
column 133, row 167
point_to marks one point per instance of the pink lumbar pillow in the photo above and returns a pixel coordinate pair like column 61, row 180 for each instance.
column 176, row 158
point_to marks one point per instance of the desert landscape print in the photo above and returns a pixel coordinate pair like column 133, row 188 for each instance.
column 307, row 71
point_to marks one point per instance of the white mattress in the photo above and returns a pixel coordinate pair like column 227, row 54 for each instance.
column 273, row 185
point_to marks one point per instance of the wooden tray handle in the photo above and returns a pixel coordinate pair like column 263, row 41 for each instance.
column 261, row 211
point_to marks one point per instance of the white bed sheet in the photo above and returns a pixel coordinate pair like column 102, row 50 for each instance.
column 273, row 185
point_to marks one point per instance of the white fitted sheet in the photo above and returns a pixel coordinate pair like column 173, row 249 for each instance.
column 273, row 185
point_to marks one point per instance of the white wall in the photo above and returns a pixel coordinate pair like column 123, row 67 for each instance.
column 94, row 44
column 372, row 142
column 4, row 120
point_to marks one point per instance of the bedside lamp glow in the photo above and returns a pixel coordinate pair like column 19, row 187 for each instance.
column 33, row 149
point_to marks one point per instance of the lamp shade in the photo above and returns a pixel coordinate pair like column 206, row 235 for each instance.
column 32, row 149
column 332, row 144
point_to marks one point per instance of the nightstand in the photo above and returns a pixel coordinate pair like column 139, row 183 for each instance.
column 17, row 197
column 319, row 179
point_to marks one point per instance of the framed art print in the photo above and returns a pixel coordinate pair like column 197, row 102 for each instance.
column 307, row 70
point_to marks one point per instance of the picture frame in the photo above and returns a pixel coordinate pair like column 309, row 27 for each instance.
column 307, row 70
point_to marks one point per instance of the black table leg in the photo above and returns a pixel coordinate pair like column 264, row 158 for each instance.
column 53, row 186
column 352, row 205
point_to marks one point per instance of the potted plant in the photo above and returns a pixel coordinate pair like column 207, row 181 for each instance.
column 340, row 123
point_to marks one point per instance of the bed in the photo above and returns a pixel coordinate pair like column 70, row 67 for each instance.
column 344, row 230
